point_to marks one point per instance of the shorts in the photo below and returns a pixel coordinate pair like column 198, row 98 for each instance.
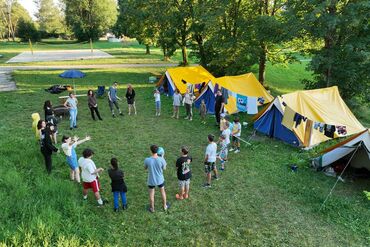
column 209, row 166
column 94, row 185
column 184, row 183
column 235, row 140
column 72, row 162
column 158, row 104
column 159, row 186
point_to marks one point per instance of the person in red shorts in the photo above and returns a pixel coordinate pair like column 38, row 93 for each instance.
column 90, row 175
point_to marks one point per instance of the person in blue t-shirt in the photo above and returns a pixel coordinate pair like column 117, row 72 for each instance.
column 112, row 99
column 155, row 166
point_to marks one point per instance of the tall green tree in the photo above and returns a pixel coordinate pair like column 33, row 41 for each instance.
column 26, row 30
column 342, row 27
column 89, row 19
column 49, row 17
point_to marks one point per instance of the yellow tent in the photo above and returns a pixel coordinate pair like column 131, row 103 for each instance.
column 246, row 84
column 323, row 105
column 191, row 75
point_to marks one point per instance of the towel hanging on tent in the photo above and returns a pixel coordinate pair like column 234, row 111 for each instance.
column 252, row 105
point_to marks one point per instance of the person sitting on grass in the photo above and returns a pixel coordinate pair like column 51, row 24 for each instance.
column 118, row 185
column 210, row 161
column 71, row 104
column 236, row 132
column 112, row 99
column 90, row 175
column 222, row 155
column 155, row 166
column 183, row 173
column 177, row 98
column 69, row 146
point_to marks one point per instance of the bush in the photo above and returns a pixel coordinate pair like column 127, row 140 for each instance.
column 27, row 30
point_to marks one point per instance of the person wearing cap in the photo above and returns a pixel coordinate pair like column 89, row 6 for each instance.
column 183, row 173
column 155, row 165
column 90, row 175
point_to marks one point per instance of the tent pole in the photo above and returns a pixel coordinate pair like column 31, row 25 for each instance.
column 332, row 189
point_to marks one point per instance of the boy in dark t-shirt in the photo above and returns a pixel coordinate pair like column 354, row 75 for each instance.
column 183, row 173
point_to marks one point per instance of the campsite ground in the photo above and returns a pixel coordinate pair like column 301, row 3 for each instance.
column 258, row 201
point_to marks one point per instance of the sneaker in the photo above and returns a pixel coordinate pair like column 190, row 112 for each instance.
column 71, row 128
column 231, row 149
column 186, row 118
column 105, row 201
column 178, row 197
column 190, row 119
column 150, row 210
column 85, row 198
column 215, row 178
column 124, row 207
column 237, row 151
column 113, row 116
column 168, row 205
column 222, row 169
column 206, row 185
column 116, row 210
column 159, row 114
column 121, row 113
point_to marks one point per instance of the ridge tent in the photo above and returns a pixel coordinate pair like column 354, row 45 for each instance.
column 246, row 85
column 319, row 105
column 181, row 77
column 360, row 144
column 207, row 94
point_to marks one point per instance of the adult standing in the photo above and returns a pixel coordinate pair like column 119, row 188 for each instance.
column 219, row 105
column 71, row 104
column 130, row 96
column 188, row 101
column 112, row 99
column 155, row 166
column 47, row 147
column 93, row 105
column 50, row 118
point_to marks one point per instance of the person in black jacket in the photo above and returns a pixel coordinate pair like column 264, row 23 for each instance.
column 130, row 96
column 93, row 106
column 47, row 147
column 118, row 185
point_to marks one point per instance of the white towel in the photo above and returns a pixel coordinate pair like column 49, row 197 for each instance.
column 252, row 105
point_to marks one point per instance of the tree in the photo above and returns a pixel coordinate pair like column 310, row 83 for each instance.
column 26, row 30
column 89, row 19
column 49, row 17
column 342, row 27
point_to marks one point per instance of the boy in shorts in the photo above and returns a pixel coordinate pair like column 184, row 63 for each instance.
column 183, row 173
column 236, row 132
column 210, row 161
column 155, row 166
column 90, row 175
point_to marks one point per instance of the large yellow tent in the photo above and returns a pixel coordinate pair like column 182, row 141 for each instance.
column 246, row 84
column 180, row 77
column 323, row 105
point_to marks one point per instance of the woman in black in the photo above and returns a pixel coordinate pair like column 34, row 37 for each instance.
column 219, row 105
column 47, row 147
column 130, row 96
column 93, row 106
column 50, row 118
column 118, row 185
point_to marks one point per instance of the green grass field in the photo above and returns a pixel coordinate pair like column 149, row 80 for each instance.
column 257, row 202
column 126, row 52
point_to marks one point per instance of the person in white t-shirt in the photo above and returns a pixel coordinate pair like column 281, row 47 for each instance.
column 210, row 161
column 157, row 99
column 236, row 132
column 90, row 175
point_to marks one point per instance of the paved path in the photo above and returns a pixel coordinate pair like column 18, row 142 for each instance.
column 7, row 83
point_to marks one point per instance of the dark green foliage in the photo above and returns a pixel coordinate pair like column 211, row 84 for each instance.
column 26, row 30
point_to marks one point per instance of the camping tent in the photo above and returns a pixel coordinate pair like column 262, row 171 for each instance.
column 359, row 143
column 246, row 85
column 207, row 94
column 182, row 77
column 320, row 105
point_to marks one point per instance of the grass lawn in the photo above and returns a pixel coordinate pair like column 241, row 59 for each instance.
column 126, row 52
column 257, row 202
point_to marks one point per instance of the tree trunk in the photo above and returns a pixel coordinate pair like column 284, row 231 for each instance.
column 147, row 49
column 202, row 54
column 262, row 64
column 184, row 55
column 165, row 56
column 329, row 44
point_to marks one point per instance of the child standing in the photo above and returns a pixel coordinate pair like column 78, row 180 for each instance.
column 118, row 185
column 222, row 156
column 222, row 122
column 203, row 111
column 177, row 98
column 69, row 146
column 157, row 98
column 210, row 161
column 90, row 175
column 183, row 173
column 236, row 132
